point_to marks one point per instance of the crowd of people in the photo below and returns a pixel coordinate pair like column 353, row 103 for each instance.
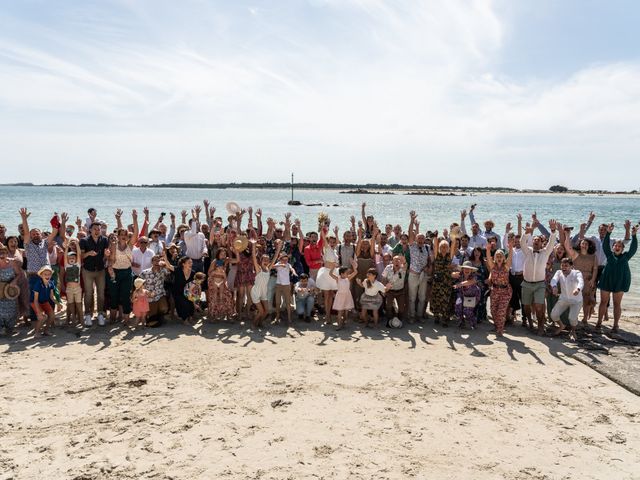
column 249, row 269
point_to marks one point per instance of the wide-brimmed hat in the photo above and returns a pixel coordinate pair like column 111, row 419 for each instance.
column 468, row 265
column 232, row 208
column 44, row 269
column 241, row 243
column 395, row 322
column 11, row 291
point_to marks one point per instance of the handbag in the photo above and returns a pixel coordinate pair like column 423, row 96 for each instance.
column 469, row 302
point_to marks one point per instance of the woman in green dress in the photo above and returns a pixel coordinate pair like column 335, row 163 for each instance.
column 616, row 277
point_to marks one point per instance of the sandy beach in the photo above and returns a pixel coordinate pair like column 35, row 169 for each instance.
column 217, row 401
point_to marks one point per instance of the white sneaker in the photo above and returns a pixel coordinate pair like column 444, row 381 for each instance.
column 87, row 321
column 101, row 320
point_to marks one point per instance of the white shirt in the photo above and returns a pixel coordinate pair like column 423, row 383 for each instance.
column 517, row 261
column 156, row 247
column 303, row 292
column 568, row 283
column 195, row 242
column 373, row 289
column 141, row 258
column 535, row 263
column 282, row 272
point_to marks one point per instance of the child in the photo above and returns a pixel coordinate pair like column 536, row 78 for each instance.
column 343, row 301
column 140, row 302
column 370, row 298
column 193, row 290
column 259, row 291
column 305, row 297
column 220, row 302
column 43, row 300
column 73, row 264
column 468, row 295
column 283, row 285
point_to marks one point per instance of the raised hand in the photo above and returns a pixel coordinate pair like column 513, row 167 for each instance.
column 552, row 225
column 64, row 217
column 463, row 214
column 508, row 227
column 473, row 207
column 335, row 231
column 353, row 220
column 627, row 224
column 172, row 216
column 287, row 217
column 634, row 230
column 79, row 222
column 250, row 210
column 212, row 211
column 145, row 210
column 519, row 217
column 412, row 215
column 197, row 209
column 205, row 202
column 259, row 213
column 134, row 214
column 592, row 217
column 24, row 213
column 118, row 213
column 364, row 204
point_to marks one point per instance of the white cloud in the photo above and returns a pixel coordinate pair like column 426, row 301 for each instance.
column 358, row 82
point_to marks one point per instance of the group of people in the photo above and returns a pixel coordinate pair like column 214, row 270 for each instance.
column 247, row 268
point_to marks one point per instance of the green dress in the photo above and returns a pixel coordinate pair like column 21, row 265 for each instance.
column 616, row 276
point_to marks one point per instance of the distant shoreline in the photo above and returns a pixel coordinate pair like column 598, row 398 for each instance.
column 372, row 188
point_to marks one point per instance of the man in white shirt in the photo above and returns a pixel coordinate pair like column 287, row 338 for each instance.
column 141, row 256
column 571, row 285
column 515, row 275
column 195, row 245
column 394, row 276
column 534, row 272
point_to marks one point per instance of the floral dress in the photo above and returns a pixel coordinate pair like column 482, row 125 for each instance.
column 245, row 274
column 219, row 298
column 441, row 292
column 466, row 303
column 500, row 296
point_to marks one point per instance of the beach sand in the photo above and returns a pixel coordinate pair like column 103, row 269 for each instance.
column 217, row 401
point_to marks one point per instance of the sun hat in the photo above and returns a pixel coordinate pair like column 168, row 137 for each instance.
column 240, row 244
column 138, row 282
column 45, row 268
column 395, row 322
column 11, row 291
column 468, row 265
column 233, row 208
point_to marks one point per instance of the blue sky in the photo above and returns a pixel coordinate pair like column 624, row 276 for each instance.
column 472, row 92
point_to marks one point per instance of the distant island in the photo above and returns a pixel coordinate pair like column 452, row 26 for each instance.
column 353, row 188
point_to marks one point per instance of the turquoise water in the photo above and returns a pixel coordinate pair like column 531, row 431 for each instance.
column 434, row 212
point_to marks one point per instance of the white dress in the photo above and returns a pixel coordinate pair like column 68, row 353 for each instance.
column 260, row 287
column 324, row 280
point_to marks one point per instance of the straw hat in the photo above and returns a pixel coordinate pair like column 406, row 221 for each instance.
column 138, row 282
column 395, row 322
column 241, row 243
column 11, row 291
column 233, row 208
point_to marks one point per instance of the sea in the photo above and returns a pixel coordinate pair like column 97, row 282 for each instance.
column 434, row 212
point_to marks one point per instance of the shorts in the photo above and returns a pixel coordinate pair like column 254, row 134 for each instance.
column 533, row 292
column 74, row 293
column 259, row 293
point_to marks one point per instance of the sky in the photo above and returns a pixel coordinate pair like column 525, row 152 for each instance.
column 526, row 93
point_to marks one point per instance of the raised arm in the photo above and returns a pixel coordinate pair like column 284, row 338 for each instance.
column 254, row 256
column 569, row 248
column 287, row 227
column 300, row 237
column 118, row 216
column 363, row 213
column 24, row 214
column 136, row 230
column 412, row 222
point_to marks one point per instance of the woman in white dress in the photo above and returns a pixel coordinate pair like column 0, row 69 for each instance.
column 325, row 281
